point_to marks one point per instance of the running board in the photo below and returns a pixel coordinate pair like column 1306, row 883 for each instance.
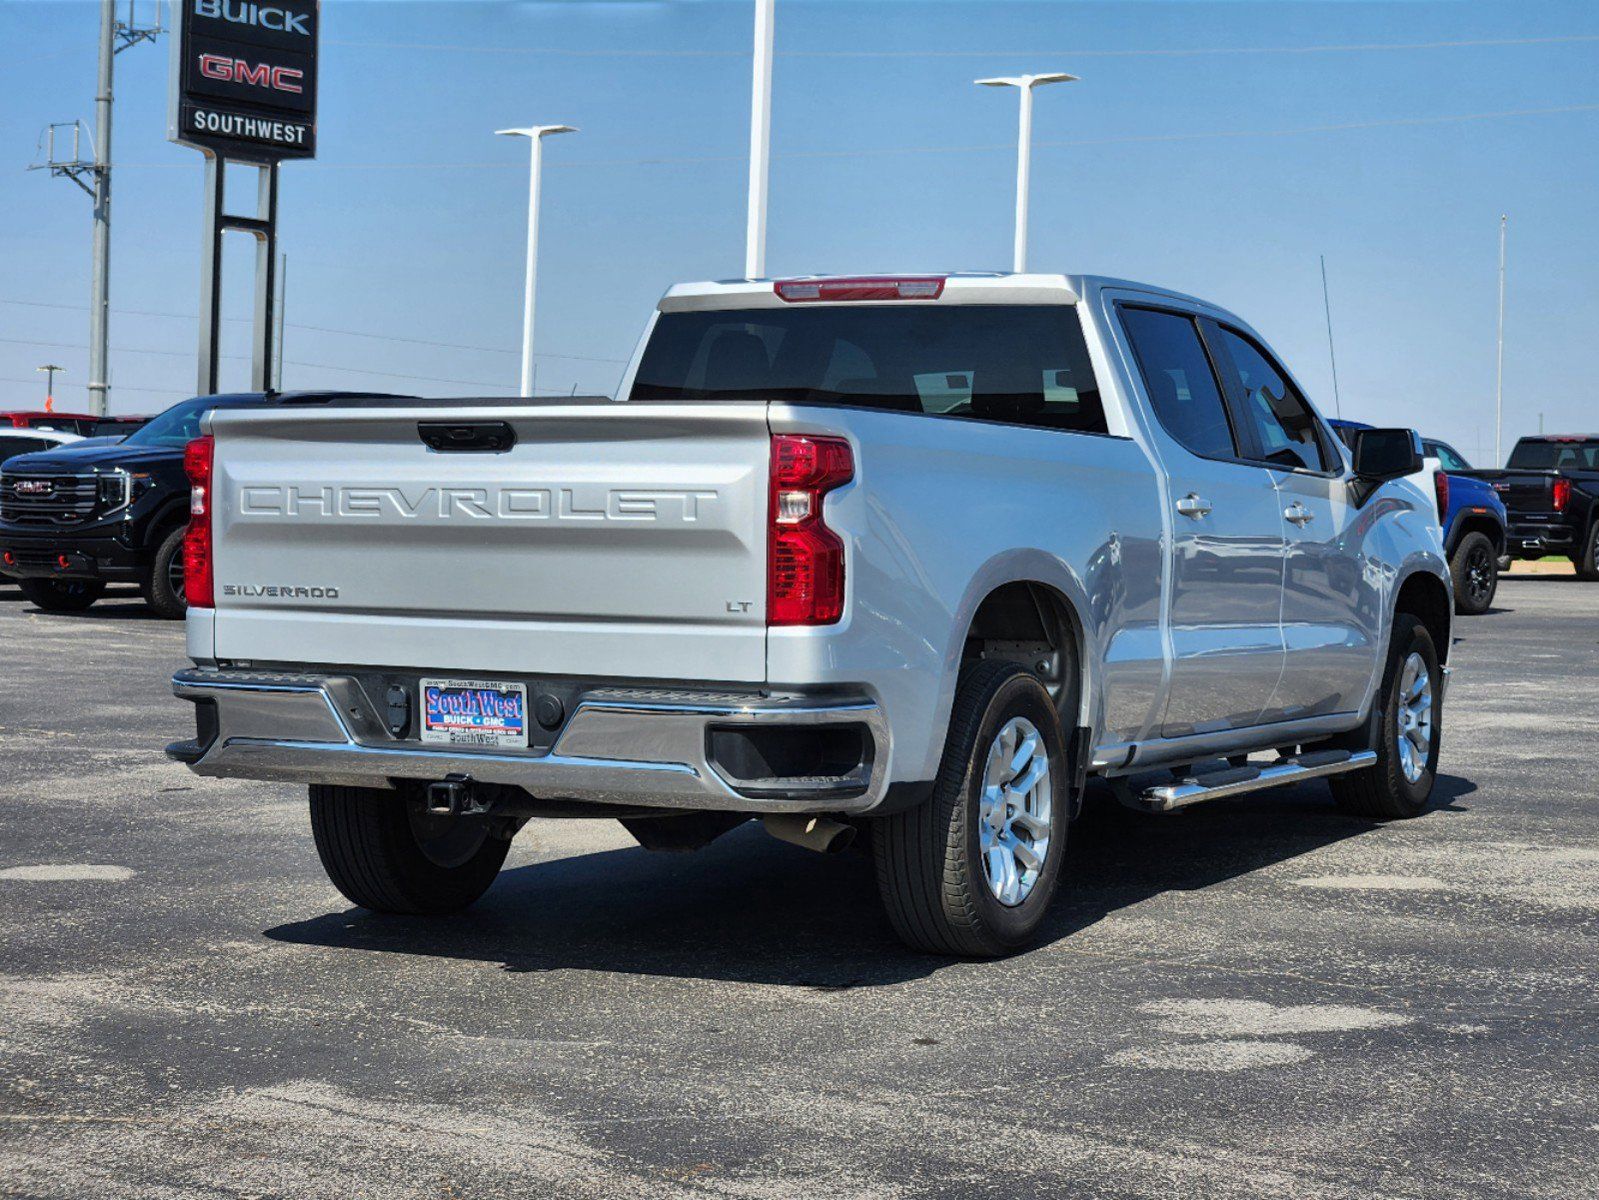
column 1238, row 780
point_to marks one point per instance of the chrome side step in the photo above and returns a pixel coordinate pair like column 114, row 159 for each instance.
column 1238, row 780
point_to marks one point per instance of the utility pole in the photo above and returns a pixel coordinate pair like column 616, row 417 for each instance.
column 115, row 37
column 50, row 370
column 1338, row 404
column 1024, row 84
column 535, row 135
column 760, row 140
column 1499, row 369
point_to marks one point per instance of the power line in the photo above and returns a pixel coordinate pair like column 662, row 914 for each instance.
column 1179, row 52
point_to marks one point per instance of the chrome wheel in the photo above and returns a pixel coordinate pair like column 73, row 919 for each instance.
column 1014, row 811
column 1414, row 724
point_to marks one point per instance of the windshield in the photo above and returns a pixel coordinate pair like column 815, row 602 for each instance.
column 178, row 426
column 1023, row 364
column 1555, row 456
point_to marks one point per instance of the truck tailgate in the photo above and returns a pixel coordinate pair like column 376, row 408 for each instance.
column 615, row 540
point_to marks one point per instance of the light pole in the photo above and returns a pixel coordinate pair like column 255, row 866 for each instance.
column 1024, row 84
column 1499, row 362
column 50, row 370
column 760, row 141
column 535, row 135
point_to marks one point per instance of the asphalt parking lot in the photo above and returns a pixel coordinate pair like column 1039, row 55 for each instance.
column 1254, row 998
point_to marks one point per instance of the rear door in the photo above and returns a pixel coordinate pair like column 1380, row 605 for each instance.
column 1331, row 605
column 1227, row 535
column 600, row 539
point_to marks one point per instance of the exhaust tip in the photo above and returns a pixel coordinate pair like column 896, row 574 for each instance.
column 821, row 834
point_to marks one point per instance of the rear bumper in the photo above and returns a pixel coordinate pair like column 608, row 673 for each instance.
column 65, row 557
column 1536, row 539
column 626, row 747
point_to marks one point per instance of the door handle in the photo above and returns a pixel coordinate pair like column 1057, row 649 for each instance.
column 1299, row 514
column 1194, row 506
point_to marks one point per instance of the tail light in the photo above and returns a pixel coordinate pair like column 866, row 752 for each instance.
column 864, row 287
column 199, row 586
column 1440, row 484
column 804, row 558
column 1562, row 494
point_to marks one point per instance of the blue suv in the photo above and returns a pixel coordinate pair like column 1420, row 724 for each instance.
column 1473, row 520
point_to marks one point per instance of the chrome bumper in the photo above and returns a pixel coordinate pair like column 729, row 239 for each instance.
column 620, row 746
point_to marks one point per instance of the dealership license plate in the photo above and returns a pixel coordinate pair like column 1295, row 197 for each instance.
column 474, row 712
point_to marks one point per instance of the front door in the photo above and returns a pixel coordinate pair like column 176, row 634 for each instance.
column 1227, row 540
column 1332, row 604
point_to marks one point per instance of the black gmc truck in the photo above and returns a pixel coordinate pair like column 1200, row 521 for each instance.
column 72, row 522
column 1550, row 488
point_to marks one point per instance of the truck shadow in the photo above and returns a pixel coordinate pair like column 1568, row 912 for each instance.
column 750, row 909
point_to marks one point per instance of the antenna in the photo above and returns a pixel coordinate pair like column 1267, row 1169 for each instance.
column 1338, row 404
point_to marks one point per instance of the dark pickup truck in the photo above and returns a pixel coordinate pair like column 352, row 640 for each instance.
column 1550, row 488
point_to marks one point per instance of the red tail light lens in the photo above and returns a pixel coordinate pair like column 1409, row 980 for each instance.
column 1562, row 494
column 1440, row 483
column 804, row 558
column 865, row 287
column 199, row 586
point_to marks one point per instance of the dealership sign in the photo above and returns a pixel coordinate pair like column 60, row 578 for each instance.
column 244, row 78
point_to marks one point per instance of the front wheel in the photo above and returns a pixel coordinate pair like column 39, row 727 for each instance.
column 1476, row 574
column 162, row 580
column 386, row 852
column 972, row 870
column 62, row 595
column 1400, row 783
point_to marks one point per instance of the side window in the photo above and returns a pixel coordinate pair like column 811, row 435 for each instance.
column 10, row 447
column 1281, row 421
column 1446, row 456
column 1182, row 388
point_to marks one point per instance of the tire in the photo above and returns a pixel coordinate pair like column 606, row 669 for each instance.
column 161, row 581
column 1387, row 790
column 932, row 871
column 62, row 595
column 1587, row 563
column 1475, row 570
column 373, row 847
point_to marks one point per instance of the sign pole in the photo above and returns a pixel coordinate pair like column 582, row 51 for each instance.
column 211, row 275
column 262, row 377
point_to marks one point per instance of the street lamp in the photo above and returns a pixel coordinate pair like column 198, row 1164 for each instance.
column 535, row 135
column 1024, row 147
column 50, row 370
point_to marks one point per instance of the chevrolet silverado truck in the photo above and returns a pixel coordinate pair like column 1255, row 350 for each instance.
column 1550, row 487
column 910, row 556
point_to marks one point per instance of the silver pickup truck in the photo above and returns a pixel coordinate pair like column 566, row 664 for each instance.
column 910, row 556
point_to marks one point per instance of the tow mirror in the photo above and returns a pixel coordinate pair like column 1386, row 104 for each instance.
column 1384, row 454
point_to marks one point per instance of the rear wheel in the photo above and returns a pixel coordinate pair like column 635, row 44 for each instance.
column 1476, row 574
column 62, row 595
column 162, row 580
column 972, row 870
column 386, row 852
column 1587, row 562
column 1408, row 732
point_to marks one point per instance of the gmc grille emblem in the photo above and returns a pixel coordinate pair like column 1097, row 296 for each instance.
column 33, row 487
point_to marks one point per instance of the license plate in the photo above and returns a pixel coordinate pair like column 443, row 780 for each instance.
column 474, row 712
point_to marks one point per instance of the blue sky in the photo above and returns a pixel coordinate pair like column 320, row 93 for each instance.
column 1218, row 148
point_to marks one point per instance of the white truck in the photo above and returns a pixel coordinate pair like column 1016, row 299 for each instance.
column 912, row 556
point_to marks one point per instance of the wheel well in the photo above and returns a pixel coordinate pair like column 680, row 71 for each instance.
column 1494, row 531
column 164, row 522
column 1424, row 597
column 1032, row 624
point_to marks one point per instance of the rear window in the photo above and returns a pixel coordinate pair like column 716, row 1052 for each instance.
column 1021, row 364
column 11, row 446
column 1555, row 456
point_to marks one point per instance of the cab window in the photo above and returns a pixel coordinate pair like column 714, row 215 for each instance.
column 1285, row 428
column 1177, row 375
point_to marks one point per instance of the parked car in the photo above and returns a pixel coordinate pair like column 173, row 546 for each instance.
column 1470, row 513
column 62, row 422
column 1550, row 487
column 917, row 554
column 15, row 441
column 73, row 520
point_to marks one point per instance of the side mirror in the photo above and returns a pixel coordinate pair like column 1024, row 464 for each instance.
column 1384, row 454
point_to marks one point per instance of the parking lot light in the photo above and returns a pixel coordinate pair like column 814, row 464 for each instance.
column 1024, row 84
column 535, row 135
